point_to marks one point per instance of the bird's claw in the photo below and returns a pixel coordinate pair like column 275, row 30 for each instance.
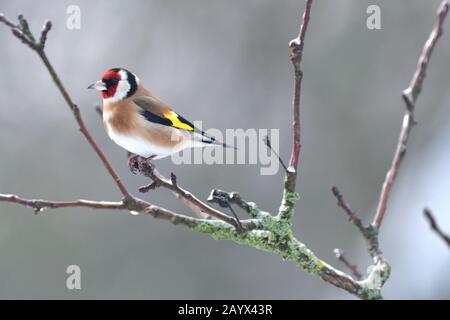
column 133, row 164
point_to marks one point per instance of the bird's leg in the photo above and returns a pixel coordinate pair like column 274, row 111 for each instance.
column 145, row 167
column 133, row 163
column 223, row 200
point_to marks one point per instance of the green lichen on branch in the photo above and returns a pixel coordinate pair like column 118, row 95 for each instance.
column 274, row 235
column 288, row 202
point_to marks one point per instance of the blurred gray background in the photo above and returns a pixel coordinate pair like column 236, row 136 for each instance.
column 226, row 63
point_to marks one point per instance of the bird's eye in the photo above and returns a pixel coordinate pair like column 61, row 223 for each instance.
column 113, row 82
column 110, row 82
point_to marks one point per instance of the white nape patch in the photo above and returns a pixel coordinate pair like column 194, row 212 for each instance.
column 138, row 145
column 123, row 75
column 122, row 89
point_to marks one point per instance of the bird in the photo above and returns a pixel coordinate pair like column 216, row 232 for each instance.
column 143, row 124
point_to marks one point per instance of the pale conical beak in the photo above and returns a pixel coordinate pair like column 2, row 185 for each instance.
column 99, row 85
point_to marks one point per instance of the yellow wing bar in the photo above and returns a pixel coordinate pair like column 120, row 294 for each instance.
column 178, row 122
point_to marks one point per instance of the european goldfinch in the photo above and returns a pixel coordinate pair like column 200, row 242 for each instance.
column 140, row 122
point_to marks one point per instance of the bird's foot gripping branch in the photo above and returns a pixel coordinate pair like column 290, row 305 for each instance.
column 262, row 230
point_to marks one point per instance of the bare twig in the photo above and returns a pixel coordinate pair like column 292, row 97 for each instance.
column 296, row 54
column 39, row 205
column 269, row 146
column 23, row 25
column 76, row 112
column 368, row 232
column 151, row 186
column 434, row 226
column 45, row 29
column 7, row 22
column 352, row 267
column 238, row 221
column 26, row 36
column 129, row 204
column 196, row 205
column 290, row 196
column 410, row 96
column 22, row 37
column 345, row 206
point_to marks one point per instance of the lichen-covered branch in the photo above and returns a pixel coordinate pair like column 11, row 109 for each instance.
column 233, row 197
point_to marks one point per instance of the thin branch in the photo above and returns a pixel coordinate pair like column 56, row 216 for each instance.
column 76, row 112
column 296, row 55
column 151, row 186
column 22, row 37
column 345, row 206
column 24, row 27
column 434, row 226
column 296, row 46
column 137, row 205
column 26, row 36
column 410, row 96
column 352, row 267
column 130, row 204
column 198, row 206
column 39, row 204
column 7, row 22
column 45, row 29
column 368, row 232
column 269, row 146
column 239, row 224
